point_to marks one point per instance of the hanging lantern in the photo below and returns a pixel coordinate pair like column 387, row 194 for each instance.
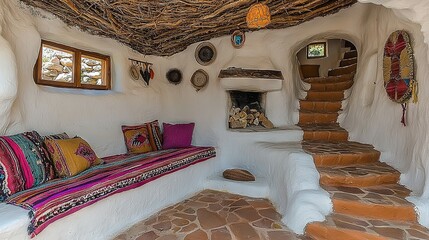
column 258, row 16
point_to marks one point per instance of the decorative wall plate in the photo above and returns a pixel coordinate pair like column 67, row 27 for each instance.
column 134, row 72
column 174, row 76
column 238, row 38
column 205, row 53
column 199, row 79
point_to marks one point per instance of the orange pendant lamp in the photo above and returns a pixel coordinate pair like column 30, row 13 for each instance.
column 258, row 16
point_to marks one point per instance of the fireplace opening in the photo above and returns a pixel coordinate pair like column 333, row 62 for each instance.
column 247, row 110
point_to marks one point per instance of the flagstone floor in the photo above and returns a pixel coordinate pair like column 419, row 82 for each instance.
column 213, row 215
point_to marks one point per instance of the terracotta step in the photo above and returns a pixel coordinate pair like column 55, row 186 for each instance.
column 306, row 117
column 386, row 202
column 348, row 62
column 325, row 132
column 325, row 96
column 346, row 227
column 340, row 153
column 340, row 86
column 342, row 70
column 350, row 54
column 330, row 79
column 321, row 106
column 359, row 175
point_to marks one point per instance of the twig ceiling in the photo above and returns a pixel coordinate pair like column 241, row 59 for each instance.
column 166, row 27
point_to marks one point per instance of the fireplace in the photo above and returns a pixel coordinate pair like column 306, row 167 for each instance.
column 246, row 110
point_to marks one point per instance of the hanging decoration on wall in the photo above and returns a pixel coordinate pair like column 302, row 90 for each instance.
column 143, row 69
column 258, row 16
column 238, row 38
column 174, row 76
column 398, row 70
column 205, row 53
column 199, row 79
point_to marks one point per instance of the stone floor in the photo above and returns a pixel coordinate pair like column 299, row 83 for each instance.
column 213, row 215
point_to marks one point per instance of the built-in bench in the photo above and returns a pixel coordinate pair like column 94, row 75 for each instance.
column 109, row 197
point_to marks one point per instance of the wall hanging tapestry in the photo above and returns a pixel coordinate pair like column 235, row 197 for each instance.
column 398, row 70
column 205, row 53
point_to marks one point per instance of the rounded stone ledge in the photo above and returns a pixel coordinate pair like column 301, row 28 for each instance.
column 251, row 84
column 256, row 189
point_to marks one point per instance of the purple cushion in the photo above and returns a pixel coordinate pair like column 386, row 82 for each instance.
column 177, row 135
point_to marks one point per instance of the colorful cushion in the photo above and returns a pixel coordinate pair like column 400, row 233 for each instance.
column 24, row 163
column 143, row 138
column 177, row 135
column 71, row 156
column 57, row 136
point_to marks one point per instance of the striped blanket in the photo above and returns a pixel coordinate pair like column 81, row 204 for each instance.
column 61, row 197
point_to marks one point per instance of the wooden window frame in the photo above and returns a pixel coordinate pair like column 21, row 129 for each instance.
column 317, row 43
column 77, row 59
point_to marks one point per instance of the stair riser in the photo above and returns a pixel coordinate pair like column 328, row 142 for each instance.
column 341, row 86
column 343, row 70
column 340, row 181
column 310, row 118
column 351, row 54
column 327, row 160
column 326, row 136
column 325, row 96
column 320, row 106
column 375, row 211
column 348, row 62
column 331, row 79
column 319, row 232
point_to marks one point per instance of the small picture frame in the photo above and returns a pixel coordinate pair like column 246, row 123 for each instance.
column 238, row 38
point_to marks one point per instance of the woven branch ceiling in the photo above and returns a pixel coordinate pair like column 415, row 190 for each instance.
column 166, row 27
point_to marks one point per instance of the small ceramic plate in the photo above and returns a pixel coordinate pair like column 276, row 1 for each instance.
column 199, row 79
column 134, row 72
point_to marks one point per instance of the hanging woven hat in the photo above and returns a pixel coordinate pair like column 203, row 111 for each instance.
column 134, row 72
column 205, row 53
column 174, row 76
column 200, row 79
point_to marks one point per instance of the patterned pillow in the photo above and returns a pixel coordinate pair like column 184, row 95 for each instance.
column 24, row 163
column 71, row 156
column 57, row 136
column 143, row 138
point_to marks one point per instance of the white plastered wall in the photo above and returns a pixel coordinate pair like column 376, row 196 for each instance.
column 97, row 116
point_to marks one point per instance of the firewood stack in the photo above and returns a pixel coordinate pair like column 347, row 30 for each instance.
column 247, row 117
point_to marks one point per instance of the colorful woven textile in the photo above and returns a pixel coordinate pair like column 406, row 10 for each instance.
column 398, row 66
column 24, row 163
column 57, row 199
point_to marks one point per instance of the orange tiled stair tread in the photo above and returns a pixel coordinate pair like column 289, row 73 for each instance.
column 213, row 215
column 368, row 202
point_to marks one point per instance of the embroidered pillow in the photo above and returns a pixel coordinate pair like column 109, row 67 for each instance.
column 24, row 163
column 57, row 136
column 177, row 135
column 71, row 156
column 143, row 138
column 137, row 139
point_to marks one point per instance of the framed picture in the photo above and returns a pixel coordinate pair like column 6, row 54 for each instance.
column 238, row 38
column 316, row 50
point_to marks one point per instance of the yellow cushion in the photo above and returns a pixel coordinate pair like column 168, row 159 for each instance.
column 71, row 156
column 137, row 139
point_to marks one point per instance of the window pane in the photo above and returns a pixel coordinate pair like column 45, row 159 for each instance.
column 92, row 71
column 316, row 50
column 57, row 64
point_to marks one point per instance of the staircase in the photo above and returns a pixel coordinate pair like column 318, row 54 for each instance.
column 368, row 202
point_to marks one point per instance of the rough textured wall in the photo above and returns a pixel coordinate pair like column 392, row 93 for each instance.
column 373, row 118
column 95, row 115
